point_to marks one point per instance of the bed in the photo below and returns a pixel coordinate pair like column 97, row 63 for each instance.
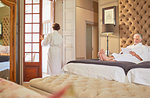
column 99, row 69
column 84, row 87
column 9, row 89
column 4, row 67
column 139, row 74
column 119, row 71
column 4, row 62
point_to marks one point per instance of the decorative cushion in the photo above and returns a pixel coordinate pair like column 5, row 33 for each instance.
column 4, row 49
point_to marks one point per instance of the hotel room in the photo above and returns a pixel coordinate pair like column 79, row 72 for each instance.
column 86, row 27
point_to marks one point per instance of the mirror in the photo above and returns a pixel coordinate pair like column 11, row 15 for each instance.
column 8, row 39
column 4, row 41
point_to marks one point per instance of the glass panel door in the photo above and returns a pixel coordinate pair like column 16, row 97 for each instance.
column 32, row 42
column 32, row 30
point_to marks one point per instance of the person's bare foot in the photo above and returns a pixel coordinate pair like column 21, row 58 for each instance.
column 102, row 51
column 103, row 56
column 100, row 54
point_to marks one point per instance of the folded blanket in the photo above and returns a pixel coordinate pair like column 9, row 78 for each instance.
column 123, row 64
column 4, row 58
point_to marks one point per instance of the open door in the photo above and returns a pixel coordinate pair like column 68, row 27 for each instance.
column 32, row 43
column 88, row 41
column 91, row 41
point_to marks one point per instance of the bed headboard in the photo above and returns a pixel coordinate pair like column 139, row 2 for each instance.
column 6, row 31
column 134, row 17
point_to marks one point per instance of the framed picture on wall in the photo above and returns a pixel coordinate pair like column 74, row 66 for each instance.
column 109, row 15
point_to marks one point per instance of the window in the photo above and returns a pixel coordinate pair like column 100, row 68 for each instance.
column 32, row 31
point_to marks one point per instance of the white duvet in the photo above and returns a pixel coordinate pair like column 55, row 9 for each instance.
column 96, row 71
column 139, row 76
column 4, row 65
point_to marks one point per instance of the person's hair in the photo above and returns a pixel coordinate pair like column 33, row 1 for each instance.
column 139, row 35
column 56, row 26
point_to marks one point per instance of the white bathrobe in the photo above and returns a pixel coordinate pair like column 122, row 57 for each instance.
column 139, row 49
column 54, row 40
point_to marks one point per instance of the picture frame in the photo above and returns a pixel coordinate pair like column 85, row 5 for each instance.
column 109, row 15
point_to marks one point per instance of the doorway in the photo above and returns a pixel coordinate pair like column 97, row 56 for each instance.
column 49, row 17
column 47, row 21
column 39, row 17
column 91, row 41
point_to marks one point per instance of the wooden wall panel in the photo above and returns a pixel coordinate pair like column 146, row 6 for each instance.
column 87, row 4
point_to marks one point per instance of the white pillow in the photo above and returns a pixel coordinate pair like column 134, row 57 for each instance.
column 4, row 49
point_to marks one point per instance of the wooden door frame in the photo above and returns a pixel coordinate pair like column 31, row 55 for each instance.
column 93, row 24
column 12, row 5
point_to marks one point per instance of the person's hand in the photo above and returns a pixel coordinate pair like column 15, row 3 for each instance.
column 132, row 53
column 136, row 55
column 42, row 37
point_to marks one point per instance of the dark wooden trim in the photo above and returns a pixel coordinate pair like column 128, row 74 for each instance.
column 40, row 33
column 19, row 38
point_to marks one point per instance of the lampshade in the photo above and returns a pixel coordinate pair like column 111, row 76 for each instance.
column 108, row 28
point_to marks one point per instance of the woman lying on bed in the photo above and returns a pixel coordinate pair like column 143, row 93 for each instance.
column 133, row 53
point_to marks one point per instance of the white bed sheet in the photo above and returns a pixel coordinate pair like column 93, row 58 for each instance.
column 139, row 76
column 4, row 65
column 97, row 71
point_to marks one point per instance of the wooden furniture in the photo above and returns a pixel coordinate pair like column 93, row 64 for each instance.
column 12, row 5
column 4, row 54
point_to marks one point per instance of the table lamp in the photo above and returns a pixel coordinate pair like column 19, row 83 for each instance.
column 107, row 29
